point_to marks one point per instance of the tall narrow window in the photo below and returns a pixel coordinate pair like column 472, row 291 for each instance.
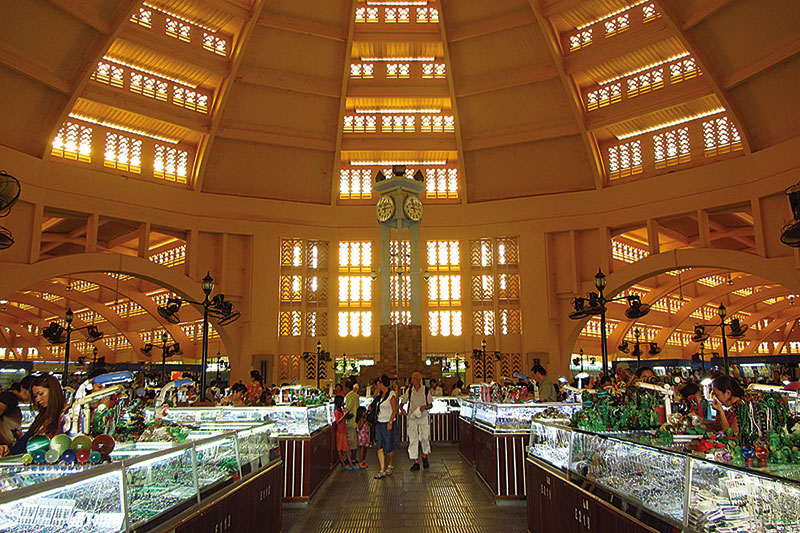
column 444, row 288
column 355, row 289
column 303, row 288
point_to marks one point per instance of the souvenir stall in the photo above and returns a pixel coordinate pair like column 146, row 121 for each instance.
column 620, row 467
column 200, row 482
column 494, row 438
column 304, row 434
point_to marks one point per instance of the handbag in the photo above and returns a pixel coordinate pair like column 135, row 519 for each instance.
column 372, row 411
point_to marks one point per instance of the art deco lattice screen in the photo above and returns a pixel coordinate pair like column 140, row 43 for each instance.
column 303, row 289
column 495, row 286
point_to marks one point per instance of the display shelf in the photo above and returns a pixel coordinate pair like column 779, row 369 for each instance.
column 290, row 420
column 516, row 417
column 145, row 484
column 673, row 487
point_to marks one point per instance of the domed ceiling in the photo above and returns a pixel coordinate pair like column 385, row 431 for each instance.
column 305, row 100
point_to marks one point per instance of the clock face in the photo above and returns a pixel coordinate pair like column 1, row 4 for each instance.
column 385, row 208
column 413, row 208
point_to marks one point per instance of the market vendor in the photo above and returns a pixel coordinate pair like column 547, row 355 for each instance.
column 727, row 396
column 547, row 391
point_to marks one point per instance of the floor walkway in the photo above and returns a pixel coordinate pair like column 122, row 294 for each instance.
column 447, row 498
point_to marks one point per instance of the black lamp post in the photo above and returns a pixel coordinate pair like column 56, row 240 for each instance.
column 480, row 355
column 213, row 306
column 55, row 333
column 166, row 351
column 722, row 312
column 320, row 358
column 597, row 306
column 207, row 286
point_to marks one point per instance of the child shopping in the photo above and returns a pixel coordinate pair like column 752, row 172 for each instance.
column 341, row 433
column 363, row 436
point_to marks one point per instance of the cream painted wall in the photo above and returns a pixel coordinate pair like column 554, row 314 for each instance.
column 560, row 237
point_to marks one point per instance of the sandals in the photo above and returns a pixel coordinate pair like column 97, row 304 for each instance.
column 380, row 475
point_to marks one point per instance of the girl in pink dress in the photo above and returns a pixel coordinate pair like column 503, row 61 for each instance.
column 363, row 435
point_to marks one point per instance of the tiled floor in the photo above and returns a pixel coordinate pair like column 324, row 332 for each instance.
column 449, row 497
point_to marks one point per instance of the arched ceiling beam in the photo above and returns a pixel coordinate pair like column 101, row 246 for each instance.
column 571, row 89
column 769, row 330
column 304, row 26
column 96, row 51
column 85, row 14
column 763, row 63
column 683, row 280
column 146, row 303
column 29, row 318
column 98, row 307
column 702, row 11
column 674, row 23
column 701, row 300
column 787, row 334
column 491, row 25
column 237, row 52
column 19, row 328
column 22, row 62
column 771, row 310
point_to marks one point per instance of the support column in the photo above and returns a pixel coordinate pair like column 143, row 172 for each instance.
column 416, row 272
column 385, row 274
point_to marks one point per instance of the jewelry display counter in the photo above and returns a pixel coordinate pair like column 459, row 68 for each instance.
column 304, row 434
column 609, row 479
column 495, row 437
column 146, row 485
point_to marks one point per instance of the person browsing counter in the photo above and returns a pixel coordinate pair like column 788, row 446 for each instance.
column 436, row 388
column 48, row 397
column 236, row 397
column 728, row 395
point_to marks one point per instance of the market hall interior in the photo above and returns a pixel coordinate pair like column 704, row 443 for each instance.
column 192, row 191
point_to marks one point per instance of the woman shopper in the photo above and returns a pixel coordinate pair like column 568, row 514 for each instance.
column 728, row 395
column 48, row 397
column 386, row 429
column 254, row 388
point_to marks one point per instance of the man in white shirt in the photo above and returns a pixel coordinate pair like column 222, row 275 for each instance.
column 436, row 388
column 419, row 400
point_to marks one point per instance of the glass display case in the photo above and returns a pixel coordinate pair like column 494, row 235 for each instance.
column 466, row 408
column 690, row 492
column 516, row 417
column 289, row 421
column 145, row 483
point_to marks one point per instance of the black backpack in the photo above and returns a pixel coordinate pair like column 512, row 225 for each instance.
column 372, row 410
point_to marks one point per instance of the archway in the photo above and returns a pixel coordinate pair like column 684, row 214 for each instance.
column 15, row 276
column 780, row 270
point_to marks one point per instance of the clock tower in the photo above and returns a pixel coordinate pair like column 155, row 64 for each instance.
column 399, row 210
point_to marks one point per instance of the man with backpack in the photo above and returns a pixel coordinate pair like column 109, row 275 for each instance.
column 419, row 401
